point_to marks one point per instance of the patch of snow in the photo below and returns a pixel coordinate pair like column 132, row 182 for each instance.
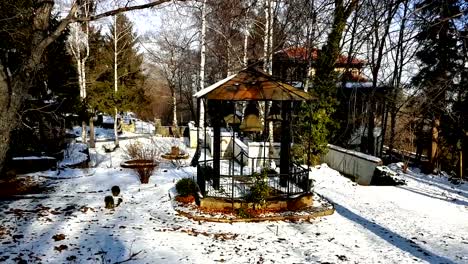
column 353, row 85
column 356, row 153
column 74, row 154
column 422, row 221
column 106, row 119
column 33, row 158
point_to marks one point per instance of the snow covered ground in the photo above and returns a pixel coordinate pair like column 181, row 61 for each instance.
column 425, row 221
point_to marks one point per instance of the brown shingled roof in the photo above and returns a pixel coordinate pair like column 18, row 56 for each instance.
column 253, row 84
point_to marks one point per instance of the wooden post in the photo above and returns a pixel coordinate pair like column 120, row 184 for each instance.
column 461, row 164
column 216, row 121
column 285, row 142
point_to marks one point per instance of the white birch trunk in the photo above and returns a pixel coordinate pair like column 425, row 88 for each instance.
column 174, row 112
column 228, row 46
column 262, row 105
column 78, row 45
column 269, row 36
column 202, row 66
column 245, row 60
column 75, row 46
column 308, row 77
column 83, row 70
column 116, row 125
column 246, row 45
column 265, row 37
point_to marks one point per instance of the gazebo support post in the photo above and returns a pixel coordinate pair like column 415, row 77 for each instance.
column 200, row 175
column 216, row 143
column 285, row 143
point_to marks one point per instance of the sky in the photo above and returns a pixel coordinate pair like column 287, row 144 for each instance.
column 145, row 20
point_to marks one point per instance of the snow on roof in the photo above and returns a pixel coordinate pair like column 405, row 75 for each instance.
column 358, row 85
column 356, row 153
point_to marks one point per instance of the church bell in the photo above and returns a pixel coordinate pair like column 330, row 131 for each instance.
column 251, row 121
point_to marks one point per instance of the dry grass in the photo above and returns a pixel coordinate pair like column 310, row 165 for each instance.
column 149, row 152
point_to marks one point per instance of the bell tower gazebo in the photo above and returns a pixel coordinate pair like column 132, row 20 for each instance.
column 225, row 163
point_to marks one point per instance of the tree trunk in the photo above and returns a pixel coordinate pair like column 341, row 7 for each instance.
column 84, row 132
column 13, row 88
column 393, row 116
column 270, row 71
column 116, row 123
column 7, row 123
column 174, row 110
column 9, row 105
column 461, row 164
column 245, row 60
column 370, row 129
column 202, row 66
column 384, row 128
column 434, row 143
column 116, row 127
column 12, row 93
column 92, row 142
column 332, row 49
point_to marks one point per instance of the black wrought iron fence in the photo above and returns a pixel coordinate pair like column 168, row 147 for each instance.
column 236, row 183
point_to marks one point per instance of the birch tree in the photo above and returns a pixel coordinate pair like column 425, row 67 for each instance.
column 268, row 64
column 201, row 123
column 171, row 55
column 15, row 84
column 78, row 46
column 126, row 64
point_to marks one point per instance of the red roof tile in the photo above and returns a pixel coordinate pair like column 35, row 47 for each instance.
column 301, row 53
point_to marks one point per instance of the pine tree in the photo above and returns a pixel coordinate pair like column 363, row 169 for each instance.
column 316, row 121
column 130, row 95
column 441, row 57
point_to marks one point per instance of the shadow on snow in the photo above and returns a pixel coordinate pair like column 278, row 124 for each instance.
column 391, row 237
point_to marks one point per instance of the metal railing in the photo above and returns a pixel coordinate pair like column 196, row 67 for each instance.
column 235, row 182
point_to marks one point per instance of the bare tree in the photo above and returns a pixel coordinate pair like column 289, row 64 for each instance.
column 381, row 14
column 402, row 55
column 120, row 33
column 78, row 46
column 14, row 85
column 201, row 123
column 171, row 52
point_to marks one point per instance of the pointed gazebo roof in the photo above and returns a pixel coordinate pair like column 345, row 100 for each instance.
column 253, row 84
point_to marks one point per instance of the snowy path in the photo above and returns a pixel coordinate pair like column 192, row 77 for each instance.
column 424, row 221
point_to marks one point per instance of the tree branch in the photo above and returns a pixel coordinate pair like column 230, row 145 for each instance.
column 125, row 9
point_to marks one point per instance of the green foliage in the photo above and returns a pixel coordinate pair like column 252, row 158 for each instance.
column 53, row 90
column 260, row 190
column 243, row 212
column 15, row 31
column 186, row 187
column 102, row 97
column 443, row 75
column 130, row 95
column 314, row 127
column 318, row 123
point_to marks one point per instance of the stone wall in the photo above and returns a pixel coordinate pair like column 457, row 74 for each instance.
column 359, row 165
